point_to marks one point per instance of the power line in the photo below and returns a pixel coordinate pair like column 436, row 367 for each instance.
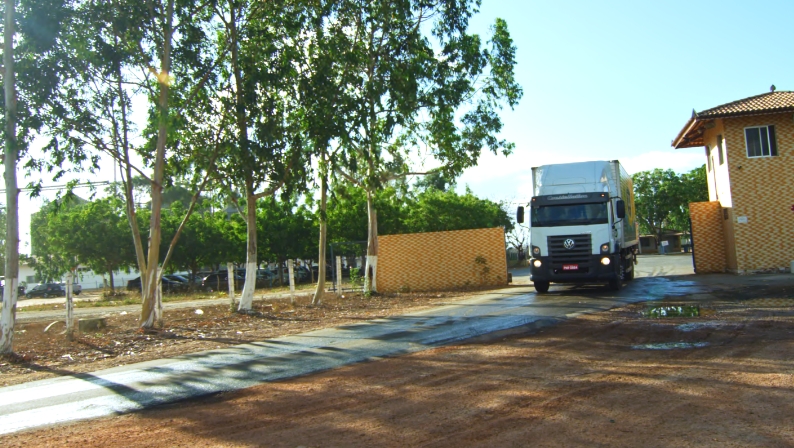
column 63, row 186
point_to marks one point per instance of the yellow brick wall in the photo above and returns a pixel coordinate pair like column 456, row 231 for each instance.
column 763, row 191
column 708, row 237
column 442, row 260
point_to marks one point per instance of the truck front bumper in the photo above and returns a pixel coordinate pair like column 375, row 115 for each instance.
column 588, row 272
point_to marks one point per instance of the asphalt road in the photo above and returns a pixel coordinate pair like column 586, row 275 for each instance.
column 491, row 315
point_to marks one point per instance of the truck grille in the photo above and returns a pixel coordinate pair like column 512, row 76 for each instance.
column 579, row 254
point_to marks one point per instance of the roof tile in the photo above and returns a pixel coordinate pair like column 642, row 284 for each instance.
column 768, row 102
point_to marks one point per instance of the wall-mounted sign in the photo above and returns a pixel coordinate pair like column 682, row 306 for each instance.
column 741, row 220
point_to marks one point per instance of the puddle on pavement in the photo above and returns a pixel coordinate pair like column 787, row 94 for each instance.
column 709, row 325
column 657, row 312
column 670, row 345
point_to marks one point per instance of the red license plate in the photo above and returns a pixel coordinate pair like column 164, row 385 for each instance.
column 570, row 267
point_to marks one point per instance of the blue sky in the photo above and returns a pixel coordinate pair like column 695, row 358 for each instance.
column 618, row 79
column 613, row 79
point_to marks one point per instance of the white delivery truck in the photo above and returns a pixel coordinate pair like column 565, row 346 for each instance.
column 583, row 225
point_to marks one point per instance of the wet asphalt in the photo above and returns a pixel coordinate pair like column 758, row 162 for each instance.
column 488, row 316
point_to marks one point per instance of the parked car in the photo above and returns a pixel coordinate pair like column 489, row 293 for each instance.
column 168, row 285
column 76, row 288
column 46, row 290
column 219, row 281
column 329, row 272
column 264, row 277
column 177, row 278
column 20, row 288
column 301, row 274
column 134, row 284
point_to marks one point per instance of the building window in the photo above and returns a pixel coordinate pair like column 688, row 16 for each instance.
column 719, row 149
column 760, row 141
column 708, row 158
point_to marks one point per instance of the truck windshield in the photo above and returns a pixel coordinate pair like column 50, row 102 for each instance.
column 569, row 215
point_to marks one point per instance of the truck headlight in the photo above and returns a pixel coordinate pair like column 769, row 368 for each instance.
column 605, row 248
column 605, row 261
column 535, row 251
column 536, row 263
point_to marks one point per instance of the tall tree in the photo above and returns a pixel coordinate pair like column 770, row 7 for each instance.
column 10, row 155
column 656, row 197
column 160, row 52
column 267, row 151
column 694, row 188
column 34, row 62
column 425, row 89
column 662, row 199
column 324, row 78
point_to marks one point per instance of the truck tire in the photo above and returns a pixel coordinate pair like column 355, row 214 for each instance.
column 617, row 283
column 629, row 276
column 541, row 287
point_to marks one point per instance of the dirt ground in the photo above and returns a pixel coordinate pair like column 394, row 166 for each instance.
column 39, row 354
column 619, row 378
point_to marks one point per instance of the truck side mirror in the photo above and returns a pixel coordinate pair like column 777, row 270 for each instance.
column 621, row 209
column 520, row 215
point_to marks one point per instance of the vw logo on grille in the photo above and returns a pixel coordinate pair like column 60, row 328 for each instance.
column 568, row 244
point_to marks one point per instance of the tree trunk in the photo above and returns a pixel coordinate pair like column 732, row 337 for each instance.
column 152, row 263
column 241, row 115
column 158, row 299
column 247, row 296
column 8, row 315
column 318, row 293
column 229, row 270
column 69, row 308
column 371, row 270
column 129, row 193
column 112, row 283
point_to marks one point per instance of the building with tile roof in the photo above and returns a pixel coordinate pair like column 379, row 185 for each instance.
column 748, row 225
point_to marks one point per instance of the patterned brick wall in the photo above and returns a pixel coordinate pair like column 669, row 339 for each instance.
column 442, row 260
column 707, row 234
column 762, row 191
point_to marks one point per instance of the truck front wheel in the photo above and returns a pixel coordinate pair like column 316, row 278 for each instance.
column 617, row 283
column 541, row 287
column 629, row 276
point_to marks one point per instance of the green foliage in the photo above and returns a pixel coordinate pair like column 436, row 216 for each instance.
column 662, row 198
column 419, row 83
column 431, row 210
column 95, row 234
column 435, row 180
column 356, row 279
column 42, row 62
column 435, row 211
column 257, row 88
column 48, row 257
column 208, row 239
